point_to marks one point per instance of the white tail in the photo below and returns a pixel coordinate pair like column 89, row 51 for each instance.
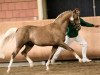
column 9, row 32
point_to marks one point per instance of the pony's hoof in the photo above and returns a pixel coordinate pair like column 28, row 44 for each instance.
column 8, row 71
column 80, row 60
column 31, row 65
column 47, row 69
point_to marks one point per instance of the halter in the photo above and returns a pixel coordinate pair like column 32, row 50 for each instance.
column 72, row 20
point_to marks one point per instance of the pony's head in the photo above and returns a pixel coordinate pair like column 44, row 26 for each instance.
column 75, row 18
column 72, row 15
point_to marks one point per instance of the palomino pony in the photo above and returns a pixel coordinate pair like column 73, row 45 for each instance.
column 49, row 35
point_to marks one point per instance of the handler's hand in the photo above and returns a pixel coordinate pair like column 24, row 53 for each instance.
column 96, row 25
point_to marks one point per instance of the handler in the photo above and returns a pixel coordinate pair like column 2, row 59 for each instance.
column 72, row 34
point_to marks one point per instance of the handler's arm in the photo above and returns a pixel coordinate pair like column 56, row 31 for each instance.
column 84, row 23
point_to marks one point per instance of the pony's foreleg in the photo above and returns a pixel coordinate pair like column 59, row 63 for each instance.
column 50, row 57
column 77, row 57
column 30, row 61
column 25, row 51
column 71, row 50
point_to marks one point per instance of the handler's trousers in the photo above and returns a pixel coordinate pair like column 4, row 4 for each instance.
column 68, row 40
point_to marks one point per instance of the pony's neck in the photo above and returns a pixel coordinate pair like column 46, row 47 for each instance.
column 63, row 20
column 63, row 17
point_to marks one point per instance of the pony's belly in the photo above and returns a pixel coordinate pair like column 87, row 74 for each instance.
column 44, row 42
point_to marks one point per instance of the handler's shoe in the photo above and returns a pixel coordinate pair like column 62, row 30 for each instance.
column 86, row 60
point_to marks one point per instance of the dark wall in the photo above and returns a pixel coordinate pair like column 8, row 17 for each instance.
column 97, row 7
column 55, row 7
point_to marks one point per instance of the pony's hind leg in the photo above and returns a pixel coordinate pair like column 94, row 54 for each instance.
column 71, row 50
column 25, row 51
column 10, row 63
column 12, row 59
column 50, row 57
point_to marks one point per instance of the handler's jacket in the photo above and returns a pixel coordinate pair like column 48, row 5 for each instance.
column 72, row 32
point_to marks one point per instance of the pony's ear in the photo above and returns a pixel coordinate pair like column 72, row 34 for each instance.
column 76, row 10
